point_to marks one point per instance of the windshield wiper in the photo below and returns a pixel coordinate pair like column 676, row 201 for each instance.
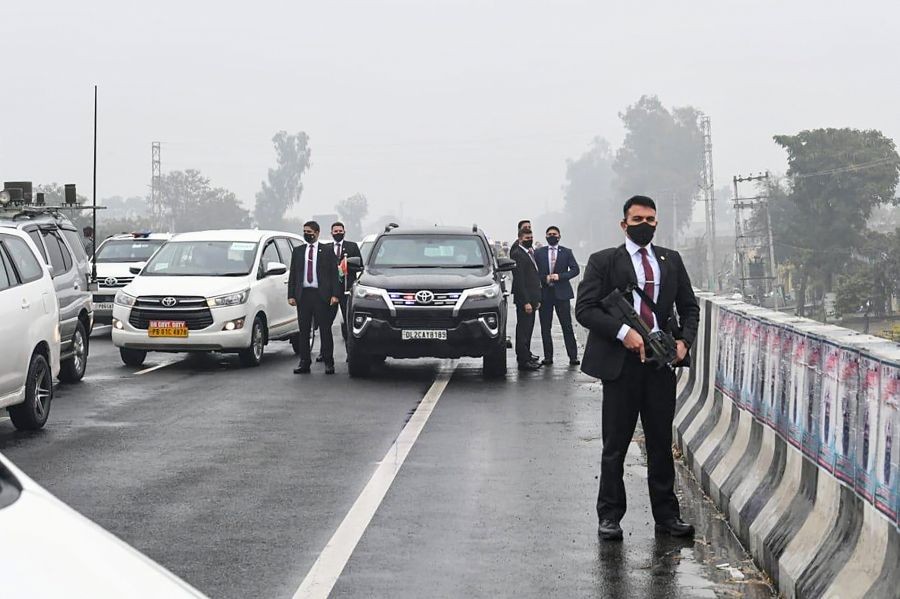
column 471, row 266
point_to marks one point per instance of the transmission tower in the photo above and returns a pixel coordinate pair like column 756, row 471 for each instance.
column 753, row 244
column 709, row 198
column 156, row 204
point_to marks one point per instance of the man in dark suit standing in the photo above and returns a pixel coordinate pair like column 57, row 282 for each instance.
column 314, row 288
column 615, row 354
column 343, row 249
column 557, row 267
column 527, row 297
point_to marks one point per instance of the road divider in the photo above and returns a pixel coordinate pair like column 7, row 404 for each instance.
column 789, row 425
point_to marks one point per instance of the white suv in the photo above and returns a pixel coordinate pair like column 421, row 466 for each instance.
column 29, row 327
column 209, row 291
column 114, row 259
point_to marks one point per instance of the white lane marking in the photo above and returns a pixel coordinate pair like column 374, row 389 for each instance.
column 157, row 367
column 323, row 575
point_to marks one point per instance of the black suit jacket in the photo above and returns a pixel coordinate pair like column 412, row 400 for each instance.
column 326, row 273
column 349, row 249
column 566, row 267
column 612, row 269
column 526, row 280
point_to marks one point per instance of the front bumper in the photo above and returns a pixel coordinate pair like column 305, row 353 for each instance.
column 210, row 338
column 468, row 337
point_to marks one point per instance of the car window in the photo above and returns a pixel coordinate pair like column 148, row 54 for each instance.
column 7, row 275
column 435, row 251
column 76, row 243
column 295, row 243
column 26, row 263
column 285, row 249
column 59, row 258
column 36, row 238
column 128, row 250
column 203, row 259
column 270, row 254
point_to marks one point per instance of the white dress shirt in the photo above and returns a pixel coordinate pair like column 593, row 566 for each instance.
column 633, row 250
column 315, row 264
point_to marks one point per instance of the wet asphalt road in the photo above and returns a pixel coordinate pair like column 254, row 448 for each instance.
column 235, row 479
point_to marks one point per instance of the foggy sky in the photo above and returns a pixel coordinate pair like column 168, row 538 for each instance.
column 458, row 111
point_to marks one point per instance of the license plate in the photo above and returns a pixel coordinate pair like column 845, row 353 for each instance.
column 167, row 328
column 104, row 306
column 409, row 335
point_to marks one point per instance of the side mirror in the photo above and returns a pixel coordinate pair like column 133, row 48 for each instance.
column 506, row 265
column 355, row 263
column 275, row 268
column 136, row 270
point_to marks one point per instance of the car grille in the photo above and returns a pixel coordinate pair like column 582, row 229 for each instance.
column 113, row 282
column 406, row 297
column 192, row 310
column 104, row 298
column 424, row 319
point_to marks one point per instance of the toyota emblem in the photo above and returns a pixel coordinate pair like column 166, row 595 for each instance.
column 424, row 297
column 110, row 281
column 168, row 302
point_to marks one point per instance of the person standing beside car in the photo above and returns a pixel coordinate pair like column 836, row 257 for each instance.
column 343, row 249
column 527, row 297
column 557, row 266
column 314, row 288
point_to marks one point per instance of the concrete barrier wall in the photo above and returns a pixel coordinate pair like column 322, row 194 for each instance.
column 792, row 427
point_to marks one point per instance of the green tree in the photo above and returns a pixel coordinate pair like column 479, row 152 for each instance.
column 590, row 198
column 835, row 178
column 193, row 204
column 661, row 156
column 284, row 185
column 353, row 210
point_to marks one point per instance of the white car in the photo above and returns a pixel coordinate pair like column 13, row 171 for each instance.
column 50, row 550
column 115, row 258
column 29, row 328
column 220, row 291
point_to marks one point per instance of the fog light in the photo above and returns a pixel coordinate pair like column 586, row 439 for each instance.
column 118, row 324
column 233, row 325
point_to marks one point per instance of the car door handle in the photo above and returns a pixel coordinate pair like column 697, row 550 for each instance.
column 75, row 285
column 26, row 304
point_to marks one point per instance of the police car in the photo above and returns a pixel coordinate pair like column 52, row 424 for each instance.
column 114, row 259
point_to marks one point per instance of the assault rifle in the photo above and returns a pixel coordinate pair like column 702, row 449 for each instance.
column 659, row 346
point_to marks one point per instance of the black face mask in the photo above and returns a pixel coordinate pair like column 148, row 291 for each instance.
column 526, row 243
column 309, row 237
column 641, row 234
column 552, row 240
column 338, row 237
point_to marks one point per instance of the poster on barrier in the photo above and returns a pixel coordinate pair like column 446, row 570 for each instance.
column 726, row 351
column 867, row 419
column 761, row 362
column 845, row 414
column 828, row 375
column 768, row 412
column 798, row 390
column 812, row 401
column 740, row 351
column 782, row 404
column 751, row 328
column 887, row 464
column 721, row 347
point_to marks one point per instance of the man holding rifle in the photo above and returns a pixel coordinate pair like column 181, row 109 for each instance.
column 636, row 380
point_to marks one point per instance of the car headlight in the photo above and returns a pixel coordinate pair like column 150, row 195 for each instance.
column 363, row 292
column 230, row 299
column 123, row 299
column 4, row 198
column 489, row 292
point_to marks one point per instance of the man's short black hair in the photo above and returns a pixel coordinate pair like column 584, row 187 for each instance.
column 522, row 223
column 338, row 224
column 523, row 231
column 638, row 201
column 312, row 225
column 553, row 228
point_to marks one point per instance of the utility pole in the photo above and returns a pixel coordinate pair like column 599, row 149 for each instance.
column 708, row 191
column 754, row 246
column 156, row 205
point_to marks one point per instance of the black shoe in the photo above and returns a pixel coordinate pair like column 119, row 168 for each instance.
column 329, row 369
column 675, row 527
column 534, row 358
column 302, row 369
column 609, row 530
column 319, row 358
column 529, row 366
column 547, row 362
column 574, row 362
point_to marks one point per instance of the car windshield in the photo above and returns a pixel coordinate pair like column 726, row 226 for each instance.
column 429, row 251
column 203, row 259
column 128, row 250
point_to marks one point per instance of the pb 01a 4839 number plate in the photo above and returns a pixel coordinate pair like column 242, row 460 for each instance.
column 415, row 335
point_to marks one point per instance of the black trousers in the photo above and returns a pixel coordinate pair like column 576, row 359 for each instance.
column 645, row 391
column 524, row 330
column 334, row 310
column 564, row 313
column 312, row 306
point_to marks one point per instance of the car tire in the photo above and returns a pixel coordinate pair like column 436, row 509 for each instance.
column 132, row 357
column 494, row 363
column 252, row 356
column 72, row 370
column 359, row 365
column 295, row 344
column 33, row 412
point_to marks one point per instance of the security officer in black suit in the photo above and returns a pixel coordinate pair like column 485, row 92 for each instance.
column 615, row 354
column 343, row 249
column 314, row 288
column 527, row 297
